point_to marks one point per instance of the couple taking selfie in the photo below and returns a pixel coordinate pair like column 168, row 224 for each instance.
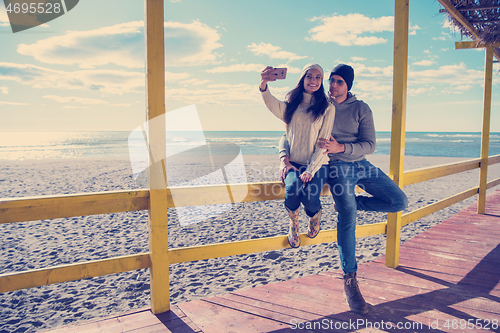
column 326, row 141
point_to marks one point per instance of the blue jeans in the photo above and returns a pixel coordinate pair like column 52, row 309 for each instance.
column 309, row 194
column 386, row 196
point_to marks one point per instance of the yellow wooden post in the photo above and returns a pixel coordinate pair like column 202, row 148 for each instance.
column 155, row 87
column 400, row 69
column 485, row 139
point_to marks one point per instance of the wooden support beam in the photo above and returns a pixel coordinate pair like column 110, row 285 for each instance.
column 155, row 87
column 485, row 137
column 400, row 80
column 474, row 45
column 471, row 9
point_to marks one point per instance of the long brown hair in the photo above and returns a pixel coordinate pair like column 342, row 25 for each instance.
column 294, row 97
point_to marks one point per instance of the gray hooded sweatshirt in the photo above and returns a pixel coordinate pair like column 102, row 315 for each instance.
column 353, row 126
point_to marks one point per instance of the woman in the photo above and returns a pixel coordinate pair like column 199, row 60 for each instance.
column 308, row 116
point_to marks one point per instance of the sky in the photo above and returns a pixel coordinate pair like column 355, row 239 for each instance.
column 85, row 71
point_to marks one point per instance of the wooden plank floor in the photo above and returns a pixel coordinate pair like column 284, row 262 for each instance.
column 446, row 282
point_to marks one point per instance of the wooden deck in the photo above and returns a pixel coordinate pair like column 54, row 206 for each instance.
column 447, row 281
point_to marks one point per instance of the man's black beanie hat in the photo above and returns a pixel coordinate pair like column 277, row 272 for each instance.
column 346, row 72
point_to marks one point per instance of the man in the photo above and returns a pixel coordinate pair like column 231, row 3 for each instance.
column 353, row 137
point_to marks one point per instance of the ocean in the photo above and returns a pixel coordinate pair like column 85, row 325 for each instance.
column 56, row 145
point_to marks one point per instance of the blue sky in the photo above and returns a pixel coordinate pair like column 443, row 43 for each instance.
column 84, row 71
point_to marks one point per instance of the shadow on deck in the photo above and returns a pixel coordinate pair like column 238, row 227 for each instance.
column 447, row 281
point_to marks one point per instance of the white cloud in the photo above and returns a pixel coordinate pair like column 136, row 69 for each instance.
column 375, row 83
column 121, row 105
column 4, row 19
column 221, row 94
column 77, row 100
column 274, row 52
column 362, row 70
column 250, row 68
column 3, row 15
column 74, row 101
column 372, row 83
column 414, row 27
column 190, row 44
column 119, row 44
column 424, row 63
column 194, row 82
column 75, row 107
column 450, row 75
column 444, row 36
column 100, row 81
column 4, row 90
column 105, row 82
column 417, row 91
column 448, row 26
column 12, row 103
column 123, row 45
column 372, row 89
column 170, row 76
column 292, row 70
column 358, row 59
column 465, row 87
column 348, row 30
column 237, row 68
column 448, row 91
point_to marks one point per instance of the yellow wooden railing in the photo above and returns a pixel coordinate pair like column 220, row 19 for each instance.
column 157, row 198
column 50, row 207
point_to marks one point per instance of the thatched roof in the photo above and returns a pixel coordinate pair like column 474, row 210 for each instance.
column 482, row 18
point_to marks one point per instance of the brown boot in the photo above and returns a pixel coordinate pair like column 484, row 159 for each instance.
column 314, row 225
column 293, row 231
column 353, row 294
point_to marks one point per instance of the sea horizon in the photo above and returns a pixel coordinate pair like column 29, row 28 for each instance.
column 16, row 145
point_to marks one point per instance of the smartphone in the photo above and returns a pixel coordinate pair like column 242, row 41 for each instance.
column 279, row 72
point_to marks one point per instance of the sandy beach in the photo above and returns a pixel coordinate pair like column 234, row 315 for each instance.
column 45, row 243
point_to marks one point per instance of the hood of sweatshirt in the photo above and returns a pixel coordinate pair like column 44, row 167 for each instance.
column 350, row 99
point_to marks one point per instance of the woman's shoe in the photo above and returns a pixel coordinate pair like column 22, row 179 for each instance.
column 314, row 225
column 293, row 231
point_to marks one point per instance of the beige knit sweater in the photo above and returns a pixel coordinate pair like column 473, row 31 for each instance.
column 302, row 132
